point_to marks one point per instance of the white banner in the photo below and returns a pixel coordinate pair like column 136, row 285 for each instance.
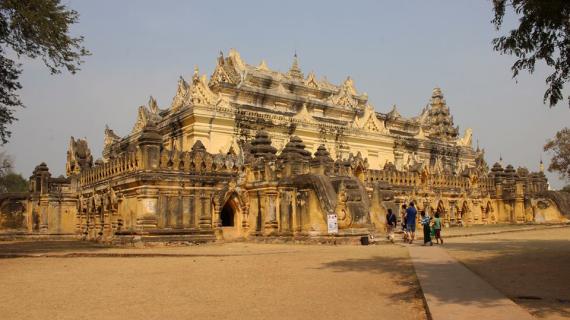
column 332, row 224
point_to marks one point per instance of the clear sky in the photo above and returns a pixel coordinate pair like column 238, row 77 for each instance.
column 396, row 51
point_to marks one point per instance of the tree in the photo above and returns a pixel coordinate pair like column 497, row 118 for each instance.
column 13, row 182
column 10, row 181
column 35, row 29
column 560, row 146
column 543, row 35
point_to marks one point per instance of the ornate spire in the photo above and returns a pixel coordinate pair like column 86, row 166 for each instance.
column 181, row 94
column 152, row 105
column 348, row 86
column 393, row 114
column 196, row 74
column 311, row 81
column 263, row 66
column 110, row 137
column 295, row 72
column 438, row 120
column 541, row 166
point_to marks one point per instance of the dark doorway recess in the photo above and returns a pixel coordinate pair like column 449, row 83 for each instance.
column 227, row 216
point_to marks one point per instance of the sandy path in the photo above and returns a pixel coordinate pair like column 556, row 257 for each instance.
column 529, row 267
column 231, row 281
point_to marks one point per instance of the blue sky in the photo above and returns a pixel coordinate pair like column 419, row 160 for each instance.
column 396, row 51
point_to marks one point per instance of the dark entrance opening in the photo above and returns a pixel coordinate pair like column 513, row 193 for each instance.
column 227, row 215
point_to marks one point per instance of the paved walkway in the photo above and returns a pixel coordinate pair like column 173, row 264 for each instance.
column 454, row 292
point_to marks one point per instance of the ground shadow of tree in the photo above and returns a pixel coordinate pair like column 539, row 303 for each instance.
column 399, row 269
column 9, row 248
column 532, row 273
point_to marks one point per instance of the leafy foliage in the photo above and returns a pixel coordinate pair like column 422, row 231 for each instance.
column 13, row 182
column 560, row 146
column 543, row 34
column 36, row 29
column 10, row 181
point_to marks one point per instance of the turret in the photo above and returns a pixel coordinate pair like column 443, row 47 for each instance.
column 295, row 72
column 322, row 163
column 294, row 157
column 261, row 146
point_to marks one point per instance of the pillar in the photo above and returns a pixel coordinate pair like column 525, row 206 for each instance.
column 271, row 223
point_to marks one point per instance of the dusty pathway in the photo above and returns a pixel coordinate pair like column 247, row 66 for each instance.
column 530, row 267
column 230, row 281
column 454, row 292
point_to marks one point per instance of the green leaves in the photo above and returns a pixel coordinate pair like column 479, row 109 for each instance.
column 543, row 34
column 36, row 29
column 560, row 147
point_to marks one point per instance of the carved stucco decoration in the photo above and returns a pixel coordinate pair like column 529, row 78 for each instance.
column 344, row 217
column 368, row 121
column 303, row 114
column 466, row 140
column 78, row 156
column 345, row 96
column 182, row 94
column 110, row 137
column 228, row 70
column 200, row 93
column 311, row 81
column 263, row 66
column 146, row 115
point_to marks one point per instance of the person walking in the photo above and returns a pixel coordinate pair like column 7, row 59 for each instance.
column 437, row 228
column 411, row 214
column 391, row 223
column 425, row 220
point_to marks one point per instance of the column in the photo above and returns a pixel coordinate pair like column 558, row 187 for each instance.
column 271, row 222
column 205, row 217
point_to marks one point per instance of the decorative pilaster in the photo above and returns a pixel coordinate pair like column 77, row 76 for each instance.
column 148, row 203
column 271, row 223
column 205, row 214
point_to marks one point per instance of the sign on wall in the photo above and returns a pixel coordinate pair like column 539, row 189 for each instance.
column 332, row 223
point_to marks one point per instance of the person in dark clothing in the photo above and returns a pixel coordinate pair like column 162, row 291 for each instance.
column 391, row 223
column 411, row 214
column 427, row 230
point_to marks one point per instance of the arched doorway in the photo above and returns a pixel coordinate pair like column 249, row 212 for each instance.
column 230, row 218
column 228, row 215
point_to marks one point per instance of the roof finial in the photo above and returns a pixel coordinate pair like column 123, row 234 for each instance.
column 500, row 158
column 295, row 72
column 541, row 166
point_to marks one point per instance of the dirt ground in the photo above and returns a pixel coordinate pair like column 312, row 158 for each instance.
column 221, row 281
column 530, row 267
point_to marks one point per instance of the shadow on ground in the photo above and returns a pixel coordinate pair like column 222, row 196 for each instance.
column 400, row 269
column 531, row 272
column 8, row 248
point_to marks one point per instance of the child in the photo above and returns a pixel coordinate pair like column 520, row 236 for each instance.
column 437, row 227
column 427, row 232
